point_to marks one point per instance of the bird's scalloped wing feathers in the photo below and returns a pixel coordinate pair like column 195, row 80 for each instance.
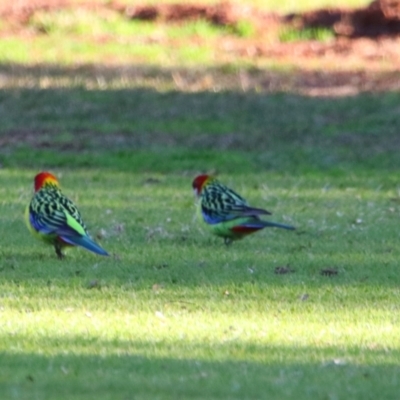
column 252, row 211
column 56, row 222
column 73, row 216
column 219, row 204
column 53, row 213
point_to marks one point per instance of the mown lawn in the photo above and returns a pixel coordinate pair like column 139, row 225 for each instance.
column 173, row 313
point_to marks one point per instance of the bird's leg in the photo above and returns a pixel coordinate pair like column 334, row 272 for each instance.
column 227, row 241
column 57, row 247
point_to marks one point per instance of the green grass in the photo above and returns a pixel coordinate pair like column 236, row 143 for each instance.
column 108, row 112
column 56, row 49
column 173, row 313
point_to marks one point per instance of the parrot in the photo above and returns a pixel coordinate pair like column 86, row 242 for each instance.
column 54, row 219
column 226, row 212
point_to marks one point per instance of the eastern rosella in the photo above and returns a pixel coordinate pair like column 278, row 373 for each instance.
column 54, row 219
column 226, row 213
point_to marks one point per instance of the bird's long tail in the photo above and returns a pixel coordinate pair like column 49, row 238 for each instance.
column 252, row 226
column 85, row 242
column 276, row 225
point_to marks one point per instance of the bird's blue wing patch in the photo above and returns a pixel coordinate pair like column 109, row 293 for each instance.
column 57, row 224
column 39, row 225
column 211, row 217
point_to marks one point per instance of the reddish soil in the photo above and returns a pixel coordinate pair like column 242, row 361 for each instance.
column 380, row 18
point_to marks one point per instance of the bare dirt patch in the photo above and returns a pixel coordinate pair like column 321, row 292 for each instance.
column 380, row 18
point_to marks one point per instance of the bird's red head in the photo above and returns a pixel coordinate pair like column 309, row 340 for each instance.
column 44, row 179
column 199, row 182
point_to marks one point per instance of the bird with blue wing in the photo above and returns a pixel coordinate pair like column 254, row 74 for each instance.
column 54, row 219
column 226, row 213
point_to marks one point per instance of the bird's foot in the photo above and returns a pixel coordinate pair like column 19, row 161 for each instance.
column 59, row 253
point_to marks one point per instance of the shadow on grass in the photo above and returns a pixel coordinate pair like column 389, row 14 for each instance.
column 136, row 369
column 163, row 120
